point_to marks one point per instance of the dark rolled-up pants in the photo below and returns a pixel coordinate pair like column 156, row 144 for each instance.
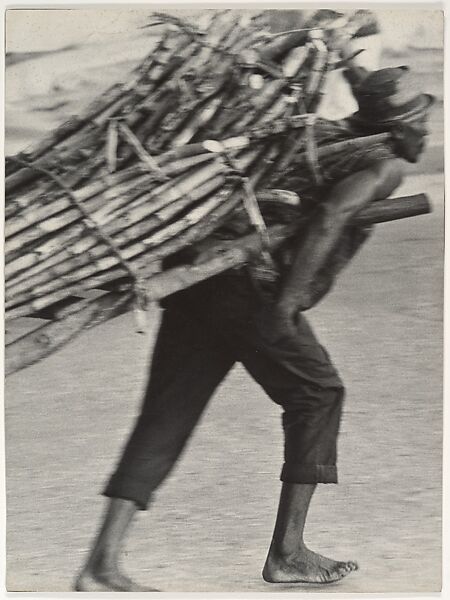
column 204, row 331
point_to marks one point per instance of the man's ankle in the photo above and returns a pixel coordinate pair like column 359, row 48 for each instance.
column 102, row 563
column 286, row 551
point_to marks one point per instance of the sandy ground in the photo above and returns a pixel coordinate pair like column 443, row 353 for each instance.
column 210, row 526
column 211, row 523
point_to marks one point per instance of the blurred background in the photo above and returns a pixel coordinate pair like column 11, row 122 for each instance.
column 211, row 523
column 58, row 60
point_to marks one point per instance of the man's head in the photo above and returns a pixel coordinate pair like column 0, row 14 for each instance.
column 388, row 100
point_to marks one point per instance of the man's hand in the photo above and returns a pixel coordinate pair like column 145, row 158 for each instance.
column 351, row 241
column 323, row 248
column 276, row 321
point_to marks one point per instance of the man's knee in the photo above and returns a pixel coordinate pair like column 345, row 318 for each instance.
column 312, row 418
column 315, row 396
column 332, row 395
column 311, row 428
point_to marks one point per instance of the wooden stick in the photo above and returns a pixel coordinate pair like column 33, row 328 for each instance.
column 392, row 209
column 29, row 349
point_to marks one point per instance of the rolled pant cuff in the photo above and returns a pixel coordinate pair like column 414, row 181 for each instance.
column 298, row 473
column 127, row 488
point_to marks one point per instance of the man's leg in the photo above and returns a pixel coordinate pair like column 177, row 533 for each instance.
column 289, row 560
column 297, row 374
column 188, row 364
column 101, row 572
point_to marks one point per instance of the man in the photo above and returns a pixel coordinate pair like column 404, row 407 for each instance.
column 230, row 318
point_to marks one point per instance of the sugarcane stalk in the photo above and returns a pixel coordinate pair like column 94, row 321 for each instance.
column 244, row 160
column 235, row 104
column 278, row 127
column 182, row 185
column 162, row 107
column 108, row 187
column 135, row 228
column 353, row 144
column 219, row 210
column 137, row 223
column 55, row 202
column 226, row 201
column 290, row 148
column 295, row 60
column 19, row 268
column 317, row 69
column 125, row 205
column 215, row 52
column 31, row 348
column 42, row 270
column 276, row 49
column 206, row 54
column 281, row 154
column 176, row 167
column 121, row 193
column 181, row 153
column 316, row 83
column 260, row 103
column 172, row 123
column 168, row 61
column 50, row 192
column 198, row 120
column 150, row 163
column 231, row 106
column 198, row 54
column 266, row 163
column 186, row 107
column 277, row 110
column 347, row 146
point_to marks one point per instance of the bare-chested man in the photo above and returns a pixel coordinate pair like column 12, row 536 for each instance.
column 209, row 327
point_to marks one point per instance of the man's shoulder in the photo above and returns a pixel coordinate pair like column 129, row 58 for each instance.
column 385, row 167
column 385, row 175
column 382, row 166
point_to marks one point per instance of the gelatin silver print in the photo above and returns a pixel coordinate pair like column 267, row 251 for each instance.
column 224, row 239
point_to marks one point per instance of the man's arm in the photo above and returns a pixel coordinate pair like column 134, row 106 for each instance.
column 324, row 232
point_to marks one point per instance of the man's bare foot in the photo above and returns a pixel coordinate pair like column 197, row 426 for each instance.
column 305, row 567
column 113, row 581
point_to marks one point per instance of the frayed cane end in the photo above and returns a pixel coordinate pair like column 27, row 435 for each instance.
column 140, row 307
column 140, row 319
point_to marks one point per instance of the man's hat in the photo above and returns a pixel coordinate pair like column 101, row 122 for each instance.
column 390, row 95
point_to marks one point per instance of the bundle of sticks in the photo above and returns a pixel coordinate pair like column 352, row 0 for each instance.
column 208, row 120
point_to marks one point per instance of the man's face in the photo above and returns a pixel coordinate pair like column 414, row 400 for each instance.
column 412, row 138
